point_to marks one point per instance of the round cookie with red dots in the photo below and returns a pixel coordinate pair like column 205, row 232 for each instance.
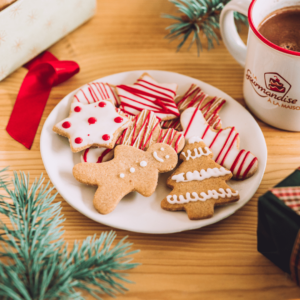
column 92, row 125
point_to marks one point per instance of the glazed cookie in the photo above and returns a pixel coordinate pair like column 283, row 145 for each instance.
column 144, row 131
column 224, row 143
column 96, row 91
column 195, row 97
column 97, row 124
column 130, row 170
column 199, row 184
column 148, row 94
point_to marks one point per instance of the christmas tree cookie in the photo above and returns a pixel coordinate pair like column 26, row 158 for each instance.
column 199, row 183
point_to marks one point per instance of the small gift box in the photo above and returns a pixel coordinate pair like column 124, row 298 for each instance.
column 28, row 27
column 278, row 232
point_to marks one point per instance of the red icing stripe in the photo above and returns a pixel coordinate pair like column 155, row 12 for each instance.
column 249, row 167
column 207, row 127
column 97, row 88
column 164, row 105
column 215, row 138
column 76, row 98
column 101, row 157
column 91, row 92
column 236, row 161
column 156, row 91
column 188, row 94
column 85, row 96
column 116, row 100
column 228, row 137
column 85, row 155
column 234, row 139
column 191, row 121
column 160, row 87
column 242, row 164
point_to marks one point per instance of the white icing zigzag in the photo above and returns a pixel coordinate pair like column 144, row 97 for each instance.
column 198, row 153
column 202, row 197
column 200, row 176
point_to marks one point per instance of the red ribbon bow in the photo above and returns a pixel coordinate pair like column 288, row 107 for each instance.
column 45, row 71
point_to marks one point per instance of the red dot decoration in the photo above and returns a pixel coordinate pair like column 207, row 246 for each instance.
column 102, row 104
column 77, row 109
column 118, row 120
column 105, row 137
column 92, row 120
column 66, row 124
column 78, row 140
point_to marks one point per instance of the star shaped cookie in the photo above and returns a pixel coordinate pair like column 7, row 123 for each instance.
column 147, row 93
column 97, row 124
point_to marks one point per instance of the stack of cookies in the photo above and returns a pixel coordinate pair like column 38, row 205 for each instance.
column 128, row 134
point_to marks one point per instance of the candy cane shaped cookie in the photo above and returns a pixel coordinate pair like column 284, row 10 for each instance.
column 148, row 94
column 96, row 91
column 195, row 97
column 224, row 143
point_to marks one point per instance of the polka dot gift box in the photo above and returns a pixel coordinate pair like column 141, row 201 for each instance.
column 28, row 27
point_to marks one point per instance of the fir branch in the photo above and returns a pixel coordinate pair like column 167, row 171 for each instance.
column 35, row 263
column 196, row 17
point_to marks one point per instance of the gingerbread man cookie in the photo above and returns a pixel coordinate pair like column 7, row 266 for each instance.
column 130, row 170
column 198, row 183
column 97, row 124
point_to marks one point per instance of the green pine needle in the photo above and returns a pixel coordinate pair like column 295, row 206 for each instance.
column 35, row 263
column 197, row 16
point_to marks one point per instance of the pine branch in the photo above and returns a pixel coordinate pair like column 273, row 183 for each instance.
column 35, row 263
column 196, row 17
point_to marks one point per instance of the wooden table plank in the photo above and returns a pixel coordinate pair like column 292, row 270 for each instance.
column 217, row 262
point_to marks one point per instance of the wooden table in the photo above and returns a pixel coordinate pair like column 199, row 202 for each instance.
column 217, row 262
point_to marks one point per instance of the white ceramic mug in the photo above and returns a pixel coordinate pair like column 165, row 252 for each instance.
column 272, row 74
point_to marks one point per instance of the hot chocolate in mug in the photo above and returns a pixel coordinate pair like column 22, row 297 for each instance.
column 272, row 73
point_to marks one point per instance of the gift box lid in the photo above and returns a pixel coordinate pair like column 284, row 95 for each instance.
column 279, row 221
column 28, row 27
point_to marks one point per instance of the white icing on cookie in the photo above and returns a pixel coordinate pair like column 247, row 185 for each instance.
column 146, row 93
column 195, row 139
column 90, row 124
column 162, row 149
column 132, row 170
column 223, row 143
column 156, row 157
column 143, row 163
column 167, row 156
column 202, row 197
column 198, row 153
column 94, row 92
column 170, row 136
column 199, row 176
column 122, row 175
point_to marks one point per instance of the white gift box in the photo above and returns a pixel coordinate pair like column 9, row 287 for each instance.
column 28, row 27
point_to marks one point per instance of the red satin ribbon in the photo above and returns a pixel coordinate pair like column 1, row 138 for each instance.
column 45, row 71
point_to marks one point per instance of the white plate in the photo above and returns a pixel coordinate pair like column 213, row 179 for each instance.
column 135, row 212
